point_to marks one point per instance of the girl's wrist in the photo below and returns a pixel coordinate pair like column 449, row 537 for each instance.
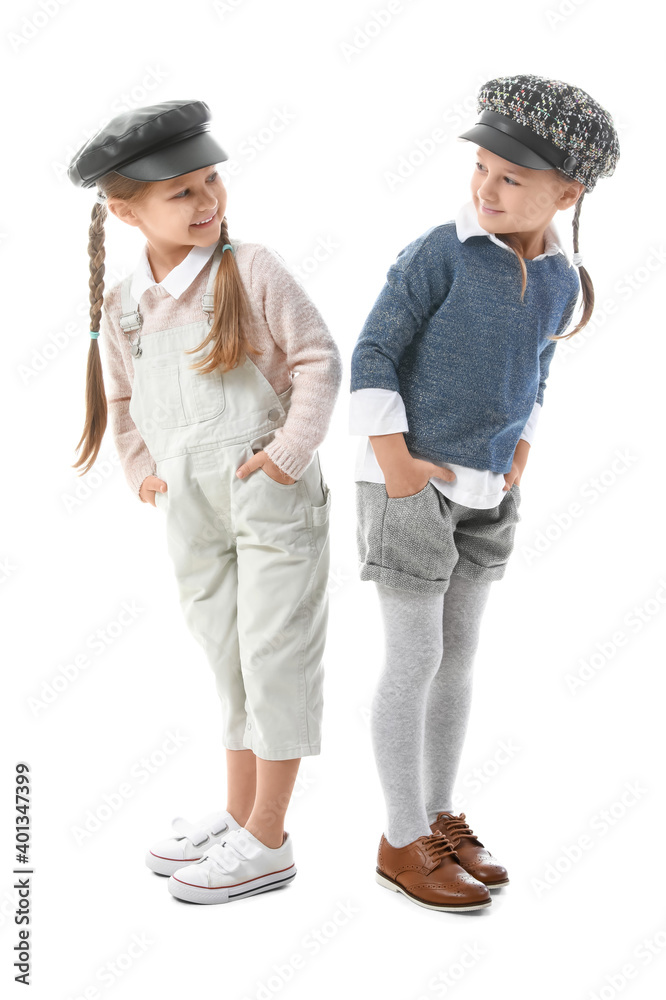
column 391, row 452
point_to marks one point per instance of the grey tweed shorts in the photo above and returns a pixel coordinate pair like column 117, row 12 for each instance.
column 417, row 542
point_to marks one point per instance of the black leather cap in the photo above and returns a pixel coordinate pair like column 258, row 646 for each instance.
column 153, row 143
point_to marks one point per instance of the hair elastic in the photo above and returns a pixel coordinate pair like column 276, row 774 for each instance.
column 94, row 334
column 577, row 259
column 228, row 246
column 100, row 198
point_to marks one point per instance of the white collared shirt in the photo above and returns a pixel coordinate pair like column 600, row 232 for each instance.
column 467, row 224
column 179, row 278
column 382, row 411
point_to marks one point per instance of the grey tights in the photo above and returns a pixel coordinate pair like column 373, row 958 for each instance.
column 421, row 705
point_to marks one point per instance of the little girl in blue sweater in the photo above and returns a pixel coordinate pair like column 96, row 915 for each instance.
column 448, row 378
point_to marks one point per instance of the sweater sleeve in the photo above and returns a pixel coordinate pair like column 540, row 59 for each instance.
column 311, row 355
column 135, row 459
column 548, row 351
column 416, row 285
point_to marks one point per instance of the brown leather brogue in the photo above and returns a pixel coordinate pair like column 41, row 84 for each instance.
column 427, row 871
column 473, row 856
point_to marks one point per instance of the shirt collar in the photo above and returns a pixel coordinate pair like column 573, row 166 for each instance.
column 177, row 280
column 467, row 224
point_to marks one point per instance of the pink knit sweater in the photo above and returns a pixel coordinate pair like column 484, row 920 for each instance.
column 289, row 330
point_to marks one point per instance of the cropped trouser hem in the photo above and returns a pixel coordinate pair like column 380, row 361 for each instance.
column 288, row 753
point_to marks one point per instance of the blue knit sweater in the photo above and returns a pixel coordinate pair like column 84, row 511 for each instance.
column 449, row 333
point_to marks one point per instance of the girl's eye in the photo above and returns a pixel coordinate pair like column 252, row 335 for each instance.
column 186, row 191
column 508, row 179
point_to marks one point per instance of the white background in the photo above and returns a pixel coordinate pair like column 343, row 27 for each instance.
column 578, row 588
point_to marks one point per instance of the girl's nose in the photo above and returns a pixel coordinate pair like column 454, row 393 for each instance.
column 487, row 189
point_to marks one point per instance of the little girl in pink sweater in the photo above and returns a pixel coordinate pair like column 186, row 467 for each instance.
column 221, row 378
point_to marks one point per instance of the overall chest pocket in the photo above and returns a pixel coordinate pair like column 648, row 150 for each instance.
column 171, row 394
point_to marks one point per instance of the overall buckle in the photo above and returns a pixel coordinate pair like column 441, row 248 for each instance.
column 128, row 322
column 208, row 305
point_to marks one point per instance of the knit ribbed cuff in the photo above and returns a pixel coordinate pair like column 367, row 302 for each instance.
column 136, row 479
column 285, row 460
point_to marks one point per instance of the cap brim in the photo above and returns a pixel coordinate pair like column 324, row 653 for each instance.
column 505, row 146
column 182, row 157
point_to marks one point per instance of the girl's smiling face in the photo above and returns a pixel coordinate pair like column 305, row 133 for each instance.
column 184, row 211
column 513, row 199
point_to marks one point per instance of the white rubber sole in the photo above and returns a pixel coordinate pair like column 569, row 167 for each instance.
column 388, row 884
column 200, row 894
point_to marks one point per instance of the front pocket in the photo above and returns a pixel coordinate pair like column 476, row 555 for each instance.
column 416, row 535
column 514, row 494
column 320, row 515
column 207, row 390
column 161, row 402
column 279, row 486
column 173, row 395
column 410, row 496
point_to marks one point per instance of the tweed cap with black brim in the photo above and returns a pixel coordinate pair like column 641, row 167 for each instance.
column 541, row 123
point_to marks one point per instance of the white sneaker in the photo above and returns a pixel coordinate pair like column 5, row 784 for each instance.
column 240, row 866
column 190, row 842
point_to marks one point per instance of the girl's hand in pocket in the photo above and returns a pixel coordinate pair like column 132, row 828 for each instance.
column 149, row 486
column 260, row 460
column 517, row 465
column 410, row 478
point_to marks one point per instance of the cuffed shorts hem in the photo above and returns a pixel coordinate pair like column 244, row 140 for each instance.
column 483, row 574
column 402, row 581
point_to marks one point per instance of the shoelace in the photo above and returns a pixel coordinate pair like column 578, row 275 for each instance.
column 457, row 827
column 437, row 845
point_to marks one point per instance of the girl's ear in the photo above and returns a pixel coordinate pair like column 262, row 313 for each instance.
column 122, row 211
column 570, row 194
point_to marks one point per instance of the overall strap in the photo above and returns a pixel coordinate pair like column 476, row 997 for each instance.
column 131, row 318
column 208, row 302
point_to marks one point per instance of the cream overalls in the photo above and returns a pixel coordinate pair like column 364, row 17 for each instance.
column 251, row 555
